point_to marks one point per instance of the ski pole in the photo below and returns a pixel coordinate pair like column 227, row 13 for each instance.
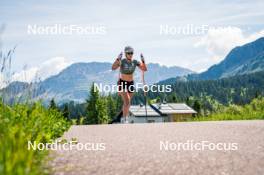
column 144, row 83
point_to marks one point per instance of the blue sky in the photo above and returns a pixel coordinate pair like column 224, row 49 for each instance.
column 135, row 23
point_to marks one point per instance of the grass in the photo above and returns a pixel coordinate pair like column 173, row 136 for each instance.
column 252, row 111
column 21, row 123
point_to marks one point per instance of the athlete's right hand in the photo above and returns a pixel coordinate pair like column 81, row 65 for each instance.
column 120, row 56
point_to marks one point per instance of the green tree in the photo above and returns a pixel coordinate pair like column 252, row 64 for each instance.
column 91, row 110
column 158, row 100
column 111, row 107
column 197, row 106
column 52, row 104
column 101, row 107
column 66, row 112
column 174, row 98
column 188, row 101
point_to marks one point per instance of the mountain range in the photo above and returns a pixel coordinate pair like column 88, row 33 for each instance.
column 245, row 59
column 73, row 82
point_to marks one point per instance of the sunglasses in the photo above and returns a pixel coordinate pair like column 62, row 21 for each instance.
column 130, row 53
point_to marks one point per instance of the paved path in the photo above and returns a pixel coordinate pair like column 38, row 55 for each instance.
column 135, row 149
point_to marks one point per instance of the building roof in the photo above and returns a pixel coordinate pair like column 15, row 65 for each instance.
column 173, row 108
column 139, row 111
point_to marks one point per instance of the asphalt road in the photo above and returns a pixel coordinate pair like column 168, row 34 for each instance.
column 141, row 149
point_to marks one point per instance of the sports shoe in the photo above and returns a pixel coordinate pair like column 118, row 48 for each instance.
column 124, row 120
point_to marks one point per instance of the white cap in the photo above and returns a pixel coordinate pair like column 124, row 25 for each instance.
column 128, row 49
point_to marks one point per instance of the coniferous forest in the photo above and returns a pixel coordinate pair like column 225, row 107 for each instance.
column 207, row 97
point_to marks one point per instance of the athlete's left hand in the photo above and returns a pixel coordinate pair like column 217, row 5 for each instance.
column 142, row 58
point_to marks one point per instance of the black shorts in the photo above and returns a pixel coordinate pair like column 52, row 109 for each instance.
column 125, row 86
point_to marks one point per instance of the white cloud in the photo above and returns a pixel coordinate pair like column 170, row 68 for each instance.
column 219, row 41
column 255, row 36
column 48, row 68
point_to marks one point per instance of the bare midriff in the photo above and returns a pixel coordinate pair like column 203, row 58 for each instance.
column 126, row 77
